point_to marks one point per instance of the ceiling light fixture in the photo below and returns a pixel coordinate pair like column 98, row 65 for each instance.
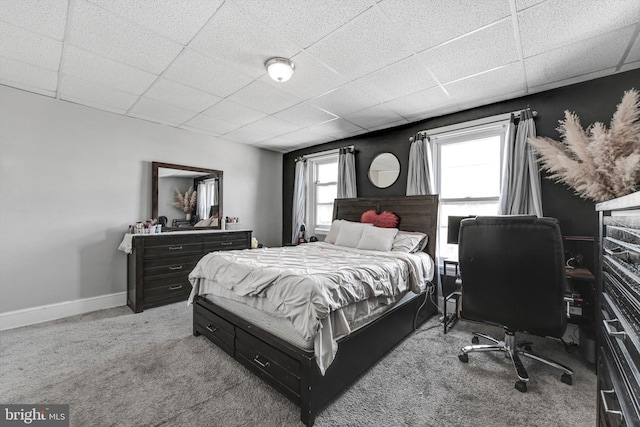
column 280, row 69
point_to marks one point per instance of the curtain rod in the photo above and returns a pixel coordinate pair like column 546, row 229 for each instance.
column 325, row 153
column 472, row 123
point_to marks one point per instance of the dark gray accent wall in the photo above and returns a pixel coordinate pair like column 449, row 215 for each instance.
column 594, row 100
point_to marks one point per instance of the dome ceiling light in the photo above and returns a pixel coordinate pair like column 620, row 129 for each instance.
column 280, row 69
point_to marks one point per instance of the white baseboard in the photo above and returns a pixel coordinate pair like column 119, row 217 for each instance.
column 44, row 313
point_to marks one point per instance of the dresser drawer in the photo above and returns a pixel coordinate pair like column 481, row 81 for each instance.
column 268, row 362
column 173, row 249
column 166, row 294
column 617, row 403
column 181, row 265
column 225, row 242
column 167, row 282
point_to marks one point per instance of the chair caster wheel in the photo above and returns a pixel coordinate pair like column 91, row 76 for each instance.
column 521, row 386
column 567, row 379
column 475, row 340
column 464, row 358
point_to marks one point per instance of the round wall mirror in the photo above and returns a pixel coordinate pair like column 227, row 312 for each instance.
column 384, row 170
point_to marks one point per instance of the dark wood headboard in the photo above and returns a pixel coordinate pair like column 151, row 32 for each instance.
column 416, row 213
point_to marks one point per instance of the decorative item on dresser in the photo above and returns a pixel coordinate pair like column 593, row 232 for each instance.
column 158, row 266
column 618, row 312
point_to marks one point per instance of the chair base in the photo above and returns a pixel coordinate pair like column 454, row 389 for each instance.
column 514, row 351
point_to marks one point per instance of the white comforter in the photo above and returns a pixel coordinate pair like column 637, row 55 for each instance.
column 306, row 283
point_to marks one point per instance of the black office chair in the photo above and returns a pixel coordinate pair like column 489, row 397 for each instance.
column 513, row 275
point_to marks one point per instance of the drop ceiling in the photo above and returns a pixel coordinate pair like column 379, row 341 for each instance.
column 361, row 65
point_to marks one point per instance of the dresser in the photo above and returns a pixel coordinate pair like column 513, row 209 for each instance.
column 618, row 311
column 159, row 265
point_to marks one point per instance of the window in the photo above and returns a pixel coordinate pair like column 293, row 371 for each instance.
column 322, row 191
column 468, row 168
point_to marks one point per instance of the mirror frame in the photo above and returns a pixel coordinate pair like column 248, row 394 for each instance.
column 154, row 193
column 371, row 164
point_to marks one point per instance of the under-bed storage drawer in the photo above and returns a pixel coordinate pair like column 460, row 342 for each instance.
column 218, row 330
column 275, row 367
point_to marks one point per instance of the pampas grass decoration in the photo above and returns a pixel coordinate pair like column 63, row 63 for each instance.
column 598, row 163
column 186, row 202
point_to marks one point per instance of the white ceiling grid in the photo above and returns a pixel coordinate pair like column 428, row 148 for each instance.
column 361, row 65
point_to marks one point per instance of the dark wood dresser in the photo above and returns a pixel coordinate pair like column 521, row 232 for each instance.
column 158, row 267
column 618, row 300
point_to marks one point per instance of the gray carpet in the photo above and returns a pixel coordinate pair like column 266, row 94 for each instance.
column 116, row 368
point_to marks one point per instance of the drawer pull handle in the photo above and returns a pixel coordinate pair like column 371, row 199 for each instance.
column 613, row 333
column 259, row 362
column 226, row 243
column 211, row 329
column 620, row 253
column 606, row 407
column 176, row 267
column 175, row 248
column 175, row 288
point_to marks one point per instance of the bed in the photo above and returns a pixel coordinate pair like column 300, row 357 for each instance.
column 295, row 367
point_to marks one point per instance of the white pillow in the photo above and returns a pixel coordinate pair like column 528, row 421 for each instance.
column 333, row 231
column 377, row 238
column 350, row 233
column 409, row 241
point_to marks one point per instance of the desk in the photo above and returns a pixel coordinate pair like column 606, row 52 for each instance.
column 449, row 320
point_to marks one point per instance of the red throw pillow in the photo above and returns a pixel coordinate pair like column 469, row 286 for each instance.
column 385, row 219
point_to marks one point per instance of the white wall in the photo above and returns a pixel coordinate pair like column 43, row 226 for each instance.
column 72, row 179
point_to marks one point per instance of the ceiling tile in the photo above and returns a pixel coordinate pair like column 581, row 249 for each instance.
column 166, row 17
column 629, row 66
column 366, row 44
column 198, row 71
column 271, row 126
column 579, row 58
column 28, row 75
column 111, row 36
column 305, row 115
column 346, row 99
column 245, row 134
column 211, row 124
column 77, row 90
column 234, row 113
column 572, row 80
column 525, row 4
column 397, row 80
column 198, row 130
column 92, row 67
column 634, row 53
column 263, row 97
column 46, row 17
column 337, row 128
column 558, row 23
column 507, row 79
column 159, row 112
column 303, row 138
column 180, row 95
column 305, row 22
column 427, row 24
column 311, row 78
column 243, row 42
column 26, row 46
column 420, row 103
column 379, row 115
column 474, row 53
